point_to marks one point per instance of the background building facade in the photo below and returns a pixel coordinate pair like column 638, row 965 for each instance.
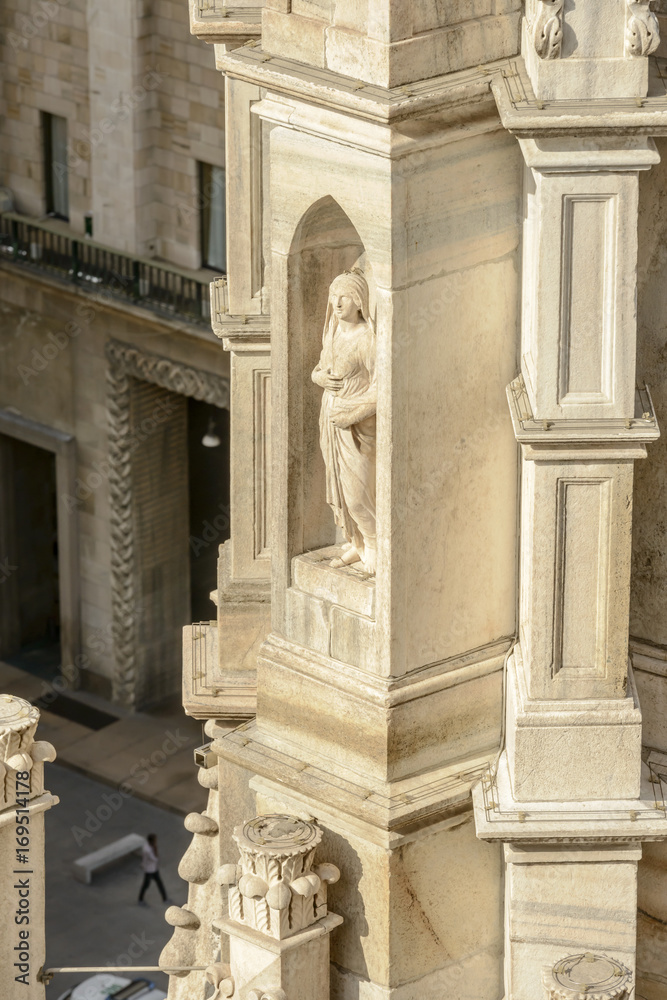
column 113, row 175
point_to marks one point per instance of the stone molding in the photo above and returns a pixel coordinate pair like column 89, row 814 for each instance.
column 126, row 362
column 389, row 812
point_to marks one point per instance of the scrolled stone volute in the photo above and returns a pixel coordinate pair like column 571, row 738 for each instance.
column 228, row 874
column 275, row 889
column 199, row 823
column 220, row 977
column 43, row 751
column 208, row 777
column 180, row 952
column 588, row 976
column 327, row 873
column 20, row 762
column 179, row 916
column 197, row 864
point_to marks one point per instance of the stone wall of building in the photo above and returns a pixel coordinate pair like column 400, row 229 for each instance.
column 53, row 370
column 143, row 106
column 188, row 127
column 45, row 68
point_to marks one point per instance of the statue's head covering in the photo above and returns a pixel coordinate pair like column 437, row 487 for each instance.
column 354, row 284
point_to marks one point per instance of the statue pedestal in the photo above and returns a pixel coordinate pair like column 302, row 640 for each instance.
column 299, row 965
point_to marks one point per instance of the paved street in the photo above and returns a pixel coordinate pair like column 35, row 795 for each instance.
column 97, row 924
column 153, row 753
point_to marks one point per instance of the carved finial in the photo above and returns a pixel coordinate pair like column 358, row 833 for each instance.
column 21, row 758
column 642, row 33
column 548, row 29
column 588, row 977
column 276, row 889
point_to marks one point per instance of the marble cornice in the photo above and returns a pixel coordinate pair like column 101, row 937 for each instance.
column 393, row 810
column 226, row 25
column 388, row 692
column 244, row 334
column 525, row 116
column 499, row 816
column 458, row 93
column 569, row 432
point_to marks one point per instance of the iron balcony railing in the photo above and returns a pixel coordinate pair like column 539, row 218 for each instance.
column 162, row 288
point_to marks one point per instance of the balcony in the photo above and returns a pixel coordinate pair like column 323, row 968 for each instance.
column 48, row 248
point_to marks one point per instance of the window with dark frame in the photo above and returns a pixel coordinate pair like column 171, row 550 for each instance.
column 212, row 221
column 56, row 181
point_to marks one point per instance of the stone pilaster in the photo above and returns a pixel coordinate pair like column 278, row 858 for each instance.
column 569, row 795
column 378, row 695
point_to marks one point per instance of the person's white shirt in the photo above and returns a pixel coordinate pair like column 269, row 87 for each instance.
column 149, row 861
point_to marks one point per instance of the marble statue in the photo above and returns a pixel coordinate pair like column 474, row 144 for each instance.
column 346, row 372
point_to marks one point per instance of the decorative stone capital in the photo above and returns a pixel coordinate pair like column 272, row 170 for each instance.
column 548, row 29
column 588, row 977
column 276, row 889
column 19, row 752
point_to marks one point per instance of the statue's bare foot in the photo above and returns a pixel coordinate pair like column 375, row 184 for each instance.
column 349, row 556
column 369, row 561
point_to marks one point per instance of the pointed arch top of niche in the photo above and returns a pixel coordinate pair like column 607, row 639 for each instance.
column 325, row 224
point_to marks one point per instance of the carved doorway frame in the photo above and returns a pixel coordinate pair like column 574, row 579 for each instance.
column 126, row 362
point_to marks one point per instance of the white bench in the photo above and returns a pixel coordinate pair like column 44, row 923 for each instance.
column 84, row 867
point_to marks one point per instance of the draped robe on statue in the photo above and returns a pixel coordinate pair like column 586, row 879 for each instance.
column 347, row 429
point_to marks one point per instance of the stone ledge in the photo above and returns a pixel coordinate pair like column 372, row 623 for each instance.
column 347, row 587
column 396, row 807
column 525, row 116
column 498, row 816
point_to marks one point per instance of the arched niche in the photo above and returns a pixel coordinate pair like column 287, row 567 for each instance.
column 325, row 243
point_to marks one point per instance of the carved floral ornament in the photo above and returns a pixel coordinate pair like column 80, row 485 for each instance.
column 588, row 977
column 642, row 32
column 548, row 28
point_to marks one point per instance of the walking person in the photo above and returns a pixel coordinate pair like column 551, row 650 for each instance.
column 150, row 865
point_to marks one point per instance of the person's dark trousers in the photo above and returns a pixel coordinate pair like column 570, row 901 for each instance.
column 147, row 881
